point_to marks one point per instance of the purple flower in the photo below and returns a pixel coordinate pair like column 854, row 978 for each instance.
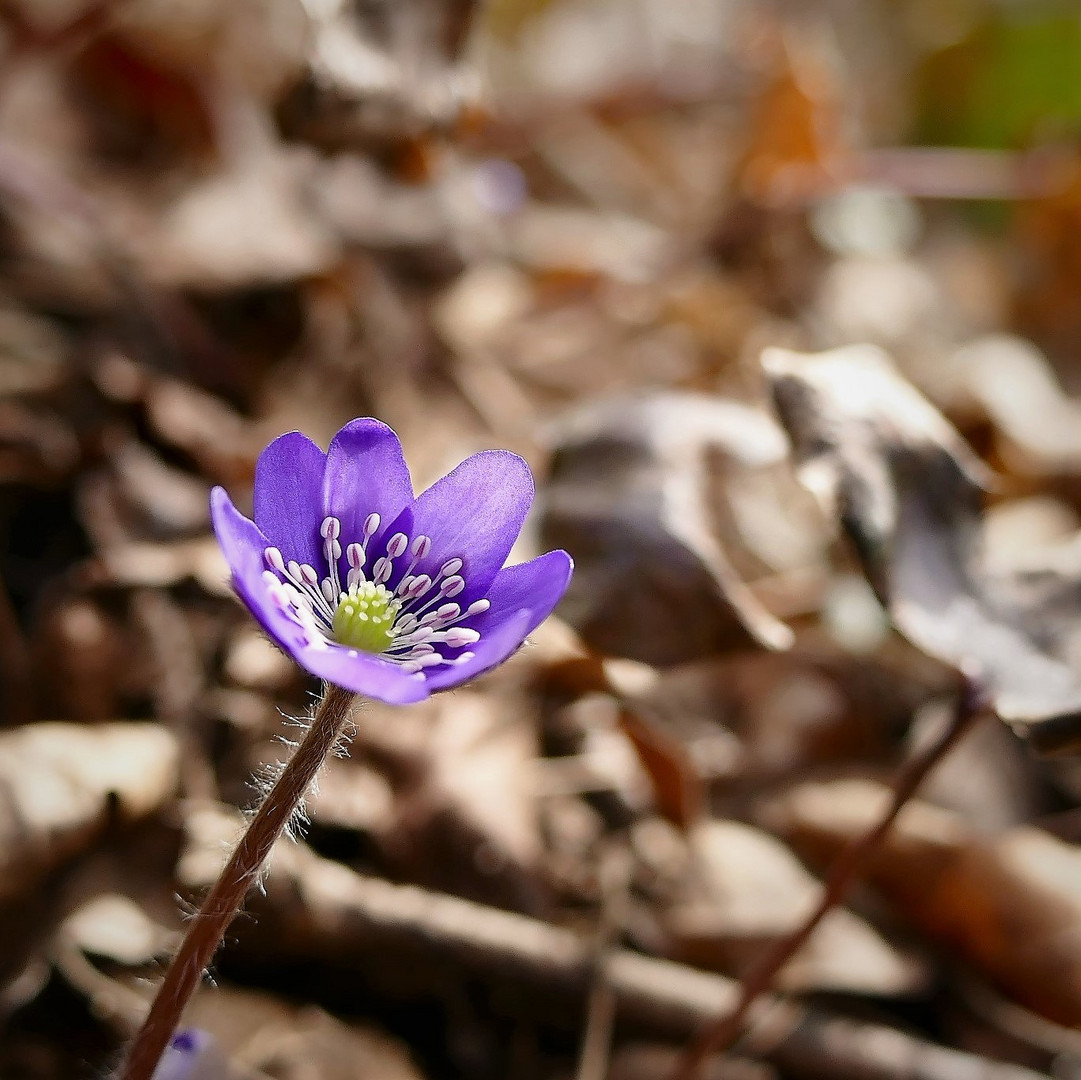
column 192, row 1054
column 382, row 592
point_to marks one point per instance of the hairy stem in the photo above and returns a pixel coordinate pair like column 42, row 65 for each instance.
column 226, row 897
column 723, row 1032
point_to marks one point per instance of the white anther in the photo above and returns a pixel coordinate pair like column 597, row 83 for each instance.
column 420, row 585
column 330, row 529
column 355, row 556
column 397, row 544
column 328, row 591
column 371, row 523
column 452, row 586
column 405, row 625
column 457, row 636
column 450, row 567
column 403, row 585
column 477, row 607
column 309, row 575
column 446, row 613
column 432, row 659
column 332, row 549
column 381, row 570
column 421, row 546
column 280, row 601
column 274, row 559
column 463, row 658
column 294, row 570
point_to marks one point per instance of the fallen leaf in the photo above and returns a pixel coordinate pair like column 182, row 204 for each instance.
column 62, row 785
column 751, row 891
column 1009, row 905
column 629, row 497
column 907, row 490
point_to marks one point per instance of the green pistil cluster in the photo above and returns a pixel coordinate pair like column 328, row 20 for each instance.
column 365, row 617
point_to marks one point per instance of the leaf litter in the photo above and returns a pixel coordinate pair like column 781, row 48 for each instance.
column 657, row 249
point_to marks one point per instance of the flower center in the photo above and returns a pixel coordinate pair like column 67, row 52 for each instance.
column 416, row 625
column 365, row 617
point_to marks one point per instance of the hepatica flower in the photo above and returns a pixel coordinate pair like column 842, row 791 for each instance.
column 376, row 590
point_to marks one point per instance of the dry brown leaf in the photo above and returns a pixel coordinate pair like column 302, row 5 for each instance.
column 653, row 1061
column 381, row 72
column 286, row 1042
column 1010, row 381
column 678, row 791
column 1009, row 905
column 63, row 784
column 907, row 490
column 752, row 890
column 629, row 497
column 463, row 816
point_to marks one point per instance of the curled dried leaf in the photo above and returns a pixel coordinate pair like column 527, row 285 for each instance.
column 630, row 498
column 907, row 490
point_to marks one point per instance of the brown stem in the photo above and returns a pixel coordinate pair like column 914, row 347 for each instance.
column 227, row 895
column 720, row 1035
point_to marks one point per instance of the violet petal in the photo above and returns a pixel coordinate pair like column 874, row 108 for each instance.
column 288, row 496
column 243, row 545
column 474, row 513
column 522, row 597
column 365, row 674
column 360, row 672
column 366, row 473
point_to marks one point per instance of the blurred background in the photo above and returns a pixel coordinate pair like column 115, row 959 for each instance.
column 566, row 227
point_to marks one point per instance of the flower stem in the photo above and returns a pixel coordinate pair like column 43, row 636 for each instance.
column 226, row 897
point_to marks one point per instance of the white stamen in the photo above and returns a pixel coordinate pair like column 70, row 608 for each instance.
column 420, row 619
column 452, row 586
column 419, row 586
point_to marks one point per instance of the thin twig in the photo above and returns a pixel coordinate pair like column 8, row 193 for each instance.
column 16, row 666
column 596, row 1046
column 240, row 874
column 724, row 1031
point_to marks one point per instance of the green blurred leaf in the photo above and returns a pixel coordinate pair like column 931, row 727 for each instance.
column 1014, row 81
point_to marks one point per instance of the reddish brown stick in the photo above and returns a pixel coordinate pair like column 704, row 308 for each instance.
column 226, row 897
column 720, row 1035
